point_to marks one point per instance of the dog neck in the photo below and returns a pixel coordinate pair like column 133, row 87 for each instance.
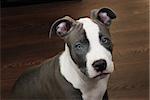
column 92, row 89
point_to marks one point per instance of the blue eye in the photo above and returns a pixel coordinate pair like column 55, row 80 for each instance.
column 78, row 45
column 105, row 40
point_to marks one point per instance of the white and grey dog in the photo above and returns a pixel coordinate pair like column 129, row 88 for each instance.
column 82, row 71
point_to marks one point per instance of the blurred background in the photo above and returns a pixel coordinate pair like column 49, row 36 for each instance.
column 24, row 40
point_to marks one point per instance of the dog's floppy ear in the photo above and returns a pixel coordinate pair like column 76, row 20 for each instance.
column 104, row 15
column 61, row 26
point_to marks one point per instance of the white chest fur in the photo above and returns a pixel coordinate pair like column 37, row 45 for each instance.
column 91, row 89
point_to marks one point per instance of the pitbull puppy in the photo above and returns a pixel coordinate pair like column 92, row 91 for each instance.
column 82, row 71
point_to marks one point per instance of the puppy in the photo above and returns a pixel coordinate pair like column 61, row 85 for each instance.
column 82, row 70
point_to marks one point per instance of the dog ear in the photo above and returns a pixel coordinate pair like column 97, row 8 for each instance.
column 104, row 15
column 61, row 26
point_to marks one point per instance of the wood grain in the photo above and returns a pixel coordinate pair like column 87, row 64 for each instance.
column 25, row 42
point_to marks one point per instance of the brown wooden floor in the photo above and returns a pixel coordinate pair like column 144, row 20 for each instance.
column 25, row 42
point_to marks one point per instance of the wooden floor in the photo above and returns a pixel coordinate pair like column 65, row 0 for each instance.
column 25, row 42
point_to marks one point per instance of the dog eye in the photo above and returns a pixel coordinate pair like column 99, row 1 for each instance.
column 78, row 45
column 105, row 40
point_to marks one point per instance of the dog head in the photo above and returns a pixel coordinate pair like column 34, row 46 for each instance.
column 89, row 41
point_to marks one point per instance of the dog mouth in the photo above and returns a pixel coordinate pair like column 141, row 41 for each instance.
column 101, row 75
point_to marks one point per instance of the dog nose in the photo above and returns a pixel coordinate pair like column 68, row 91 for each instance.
column 99, row 65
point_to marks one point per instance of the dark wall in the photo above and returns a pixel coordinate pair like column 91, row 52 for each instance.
column 10, row 3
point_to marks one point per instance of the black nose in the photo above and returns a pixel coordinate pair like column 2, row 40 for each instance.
column 99, row 65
